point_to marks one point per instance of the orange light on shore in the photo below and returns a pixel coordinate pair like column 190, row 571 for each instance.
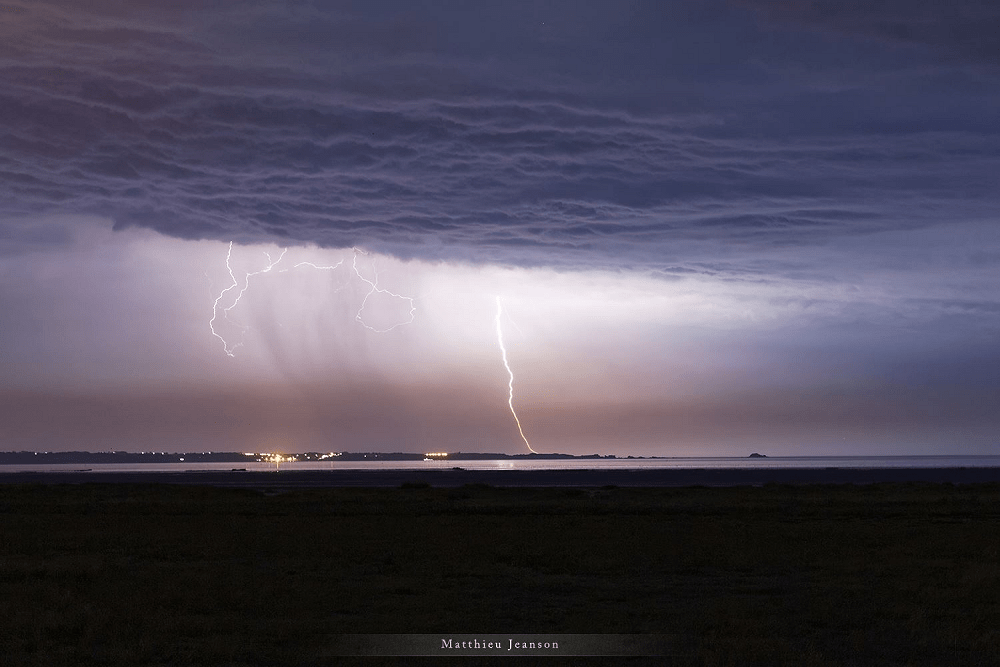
column 277, row 459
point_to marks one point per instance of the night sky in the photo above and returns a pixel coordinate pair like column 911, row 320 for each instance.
column 712, row 227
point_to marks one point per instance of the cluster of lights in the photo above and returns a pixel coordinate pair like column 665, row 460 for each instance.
column 437, row 455
column 277, row 459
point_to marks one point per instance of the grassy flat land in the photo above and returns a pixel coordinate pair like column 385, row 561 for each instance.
column 901, row 574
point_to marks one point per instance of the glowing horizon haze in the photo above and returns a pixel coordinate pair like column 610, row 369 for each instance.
column 606, row 362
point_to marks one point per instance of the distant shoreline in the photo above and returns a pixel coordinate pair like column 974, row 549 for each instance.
column 669, row 477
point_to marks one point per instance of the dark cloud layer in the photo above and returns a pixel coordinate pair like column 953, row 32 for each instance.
column 965, row 30
column 573, row 134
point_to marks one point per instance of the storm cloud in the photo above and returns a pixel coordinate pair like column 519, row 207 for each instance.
column 572, row 134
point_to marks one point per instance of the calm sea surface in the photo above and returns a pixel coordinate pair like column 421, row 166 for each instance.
column 971, row 461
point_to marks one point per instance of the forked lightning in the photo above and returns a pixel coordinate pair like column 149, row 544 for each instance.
column 230, row 348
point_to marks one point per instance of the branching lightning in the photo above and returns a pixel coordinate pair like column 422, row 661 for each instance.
column 315, row 266
column 375, row 288
column 510, row 384
column 241, row 286
column 230, row 349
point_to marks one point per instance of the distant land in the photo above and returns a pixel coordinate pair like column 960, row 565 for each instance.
column 48, row 458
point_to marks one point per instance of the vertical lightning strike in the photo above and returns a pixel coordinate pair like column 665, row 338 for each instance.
column 510, row 385
column 375, row 288
column 215, row 306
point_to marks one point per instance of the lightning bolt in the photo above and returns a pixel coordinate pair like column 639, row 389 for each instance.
column 510, row 385
column 230, row 350
column 375, row 288
column 218, row 310
column 315, row 266
column 223, row 312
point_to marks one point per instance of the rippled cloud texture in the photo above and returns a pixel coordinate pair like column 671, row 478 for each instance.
column 720, row 225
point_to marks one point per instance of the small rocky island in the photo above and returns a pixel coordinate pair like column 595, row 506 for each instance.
column 755, row 455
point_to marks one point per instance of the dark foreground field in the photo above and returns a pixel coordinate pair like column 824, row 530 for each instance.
column 118, row 574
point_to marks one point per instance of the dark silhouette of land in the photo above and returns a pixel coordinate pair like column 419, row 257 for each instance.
column 817, row 574
column 83, row 457
column 289, row 478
